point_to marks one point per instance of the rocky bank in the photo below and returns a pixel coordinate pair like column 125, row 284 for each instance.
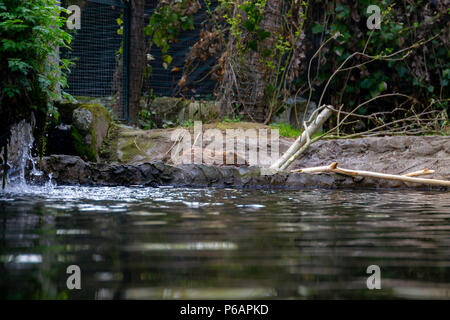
column 395, row 155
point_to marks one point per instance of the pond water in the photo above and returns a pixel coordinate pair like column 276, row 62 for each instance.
column 168, row 243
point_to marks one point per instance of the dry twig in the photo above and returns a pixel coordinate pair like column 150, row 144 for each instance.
column 410, row 177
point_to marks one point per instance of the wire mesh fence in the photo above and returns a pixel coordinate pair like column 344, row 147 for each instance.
column 95, row 52
column 99, row 72
column 164, row 82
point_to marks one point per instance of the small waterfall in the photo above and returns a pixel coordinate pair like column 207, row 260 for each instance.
column 19, row 155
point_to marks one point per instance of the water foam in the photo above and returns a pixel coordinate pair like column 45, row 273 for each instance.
column 20, row 157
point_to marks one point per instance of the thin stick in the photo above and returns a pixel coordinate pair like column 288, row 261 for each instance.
column 312, row 170
column 419, row 173
column 405, row 178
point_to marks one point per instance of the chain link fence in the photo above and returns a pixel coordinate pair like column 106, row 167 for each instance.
column 99, row 73
column 164, row 82
column 95, row 53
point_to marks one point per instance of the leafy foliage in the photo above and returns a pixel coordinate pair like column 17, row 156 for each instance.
column 422, row 73
column 254, row 43
column 32, row 73
column 30, row 32
column 166, row 23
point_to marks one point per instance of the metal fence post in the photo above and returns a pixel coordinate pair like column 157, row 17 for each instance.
column 126, row 63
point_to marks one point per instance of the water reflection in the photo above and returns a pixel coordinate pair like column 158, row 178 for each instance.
column 168, row 243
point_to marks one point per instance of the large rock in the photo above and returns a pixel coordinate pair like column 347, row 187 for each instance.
column 126, row 144
column 396, row 155
column 133, row 146
column 165, row 110
column 169, row 111
column 200, row 110
column 91, row 123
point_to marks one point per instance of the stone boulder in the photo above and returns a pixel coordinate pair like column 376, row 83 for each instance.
column 168, row 111
column 200, row 110
column 165, row 110
column 91, row 123
column 65, row 110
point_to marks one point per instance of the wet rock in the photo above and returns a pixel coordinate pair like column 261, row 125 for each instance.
column 70, row 170
column 395, row 155
column 59, row 140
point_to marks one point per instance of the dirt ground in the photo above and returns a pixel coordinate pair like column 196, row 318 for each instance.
column 396, row 155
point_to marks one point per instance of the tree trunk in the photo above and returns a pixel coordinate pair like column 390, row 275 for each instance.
column 257, row 69
column 137, row 57
column 245, row 82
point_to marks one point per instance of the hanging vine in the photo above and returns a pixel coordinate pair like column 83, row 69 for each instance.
column 247, row 43
column 237, row 30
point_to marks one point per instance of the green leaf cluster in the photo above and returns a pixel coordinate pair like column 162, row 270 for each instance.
column 422, row 72
column 31, row 31
column 165, row 25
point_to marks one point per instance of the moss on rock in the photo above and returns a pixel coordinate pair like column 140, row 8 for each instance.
column 91, row 123
column 83, row 149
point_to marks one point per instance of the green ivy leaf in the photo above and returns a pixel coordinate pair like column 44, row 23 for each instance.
column 367, row 83
column 168, row 59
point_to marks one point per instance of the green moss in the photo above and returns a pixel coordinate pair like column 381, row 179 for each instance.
column 234, row 125
column 187, row 123
column 128, row 150
column 236, row 119
column 254, row 173
column 108, row 149
column 81, row 147
column 98, row 111
column 98, row 129
column 132, row 147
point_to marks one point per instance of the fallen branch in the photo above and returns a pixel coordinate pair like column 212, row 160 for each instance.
column 410, row 177
column 419, row 173
column 292, row 153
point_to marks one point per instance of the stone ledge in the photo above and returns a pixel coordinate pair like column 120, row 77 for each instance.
column 72, row 170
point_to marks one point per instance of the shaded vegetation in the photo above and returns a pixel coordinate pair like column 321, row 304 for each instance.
column 32, row 73
column 286, row 130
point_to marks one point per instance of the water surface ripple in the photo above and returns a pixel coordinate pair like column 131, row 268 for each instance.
column 168, row 243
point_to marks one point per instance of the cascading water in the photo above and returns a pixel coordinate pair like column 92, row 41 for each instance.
column 19, row 156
